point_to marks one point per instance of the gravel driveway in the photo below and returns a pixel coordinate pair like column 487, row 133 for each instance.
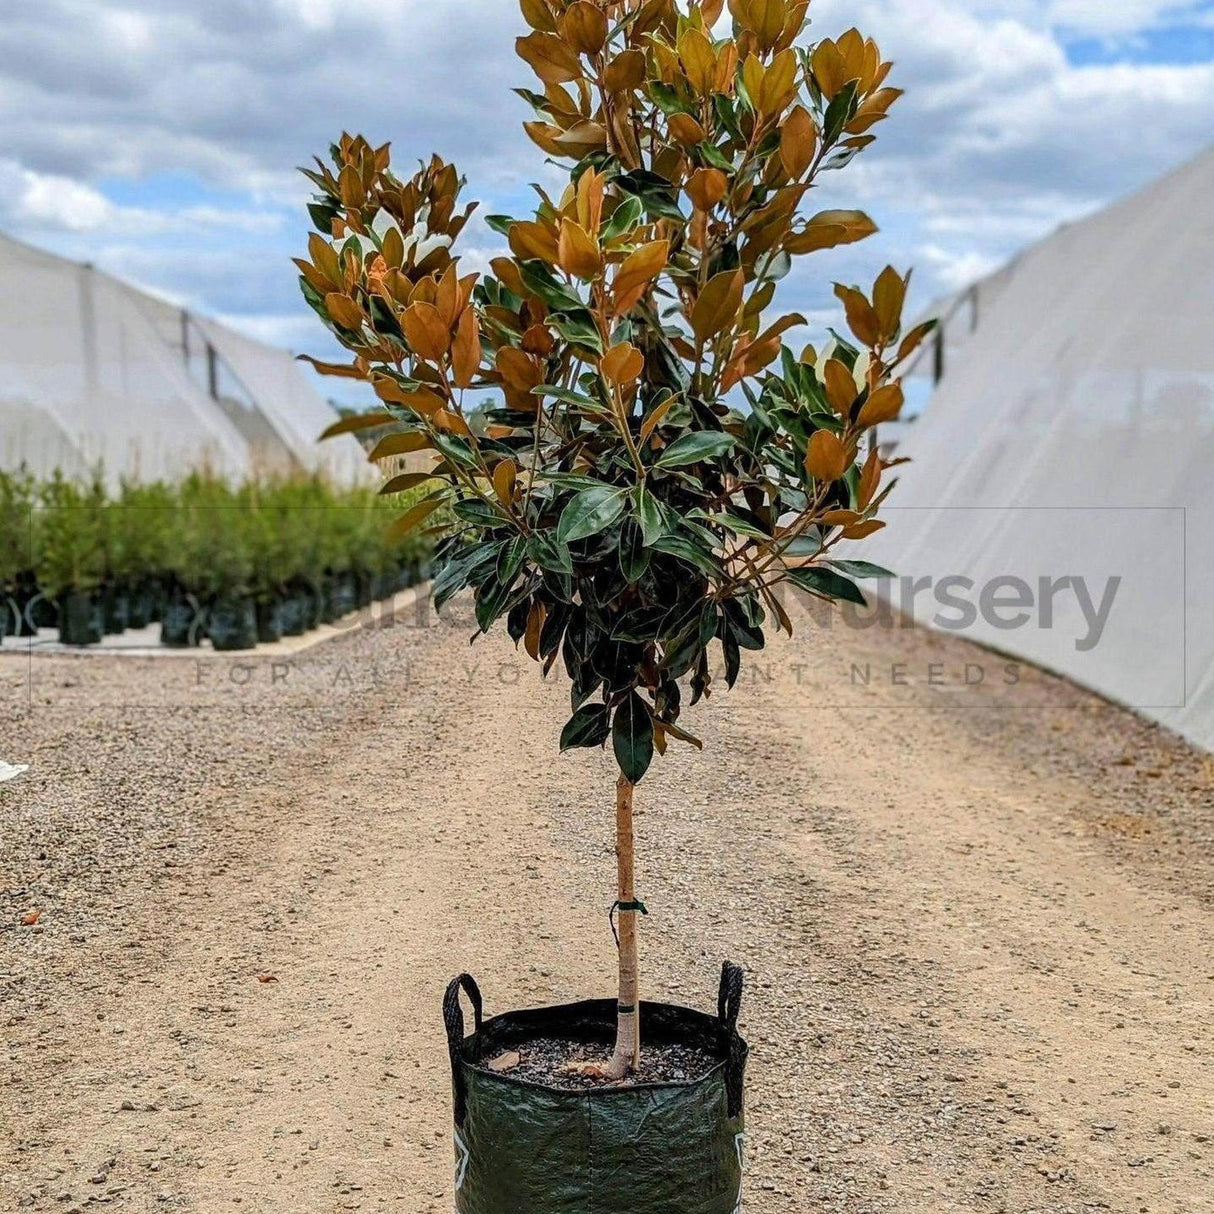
column 976, row 919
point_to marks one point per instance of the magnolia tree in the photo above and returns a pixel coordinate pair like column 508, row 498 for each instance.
column 633, row 459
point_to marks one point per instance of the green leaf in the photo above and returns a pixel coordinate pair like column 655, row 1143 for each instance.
column 477, row 512
column 862, row 569
column 577, row 327
column 686, row 550
column 591, row 511
column 694, row 448
column 650, row 515
column 634, row 553
column 623, row 219
column 840, row 112
column 828, row 584
column 548, row 553
column 632, row 738
column 456, row 449
column 589, row 726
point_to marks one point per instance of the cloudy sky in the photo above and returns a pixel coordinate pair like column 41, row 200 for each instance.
column 158, row 138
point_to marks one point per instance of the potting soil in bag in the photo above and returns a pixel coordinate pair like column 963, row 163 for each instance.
column 652, row 1148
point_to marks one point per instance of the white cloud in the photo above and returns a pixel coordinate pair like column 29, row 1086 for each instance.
column 1000, row 138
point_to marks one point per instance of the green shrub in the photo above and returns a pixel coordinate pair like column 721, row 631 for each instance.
column 70, row 537
column 16, row 525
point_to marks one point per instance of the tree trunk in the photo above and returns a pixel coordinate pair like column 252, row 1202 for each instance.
column 627, row 1054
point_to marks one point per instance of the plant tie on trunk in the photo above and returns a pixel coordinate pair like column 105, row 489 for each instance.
column 623, row 908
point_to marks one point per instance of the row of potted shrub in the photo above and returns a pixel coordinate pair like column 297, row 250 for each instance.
column 238, row 564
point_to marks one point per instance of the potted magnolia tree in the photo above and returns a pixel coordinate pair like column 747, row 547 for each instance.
column 648, row 465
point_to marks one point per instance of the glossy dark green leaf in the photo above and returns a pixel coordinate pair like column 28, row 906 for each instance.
column 694, row 448
column 589, row 726
column 828, row 584
column 632, row 738
column 650, row 516
column 862, row 569
column 591, row 511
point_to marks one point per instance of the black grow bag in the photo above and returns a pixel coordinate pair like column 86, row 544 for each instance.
column 660, row 1148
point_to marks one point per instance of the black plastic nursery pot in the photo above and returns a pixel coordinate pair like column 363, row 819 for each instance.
column 180, row 626
column 269, row 621
column 81, row 619
column 116, row 608
column 658, row 1148
column 293, row 614
column 13, row 609
column 140, row 607
column 232, row 624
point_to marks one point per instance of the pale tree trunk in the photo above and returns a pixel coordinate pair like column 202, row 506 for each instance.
column 627, row 1054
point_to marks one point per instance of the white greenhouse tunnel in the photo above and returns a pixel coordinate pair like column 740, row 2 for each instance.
column 94, row 372
column 1060, row 502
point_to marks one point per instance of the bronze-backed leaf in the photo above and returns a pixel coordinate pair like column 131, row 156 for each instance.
column 870, row 479
column 654, row 419
column 718, row 304
column 861, row 316
column 420, row 400
column 889, row 296
column 425, row 332
column 550, row 57
column 622, row 364
column 841, row 390
column 706, row 187
column 324, row 255
column 798, row 142
column 685, row 129
column 505, row 476
column 829, row 68
column 779, row 84
column 699, row 61
column 399, row 444
column 638, row 270
column 538, row 15
column 625, row 72
column 406, row 481
column 530, row 240
column 861, row 531
column 413, row 518
column 336, row 370
column 354, row 422
column 452, row 423
column 882, row 406
column 466, row 349
column 912, row 341
column 535, row 627
column 344, row 311
column 826, row 458
column 584, row 27
column 855, row 224
column 546, row 136
column 519, row 370
column 578, row 252
column 841, row 518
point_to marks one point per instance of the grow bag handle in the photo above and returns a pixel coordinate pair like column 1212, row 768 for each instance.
column 453, row 1018
column 729, row 1005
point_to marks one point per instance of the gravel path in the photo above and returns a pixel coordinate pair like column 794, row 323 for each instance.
column 976, row 922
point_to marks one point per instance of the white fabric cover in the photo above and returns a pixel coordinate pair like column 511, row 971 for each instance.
column 93, row 372
column 1073, row 435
